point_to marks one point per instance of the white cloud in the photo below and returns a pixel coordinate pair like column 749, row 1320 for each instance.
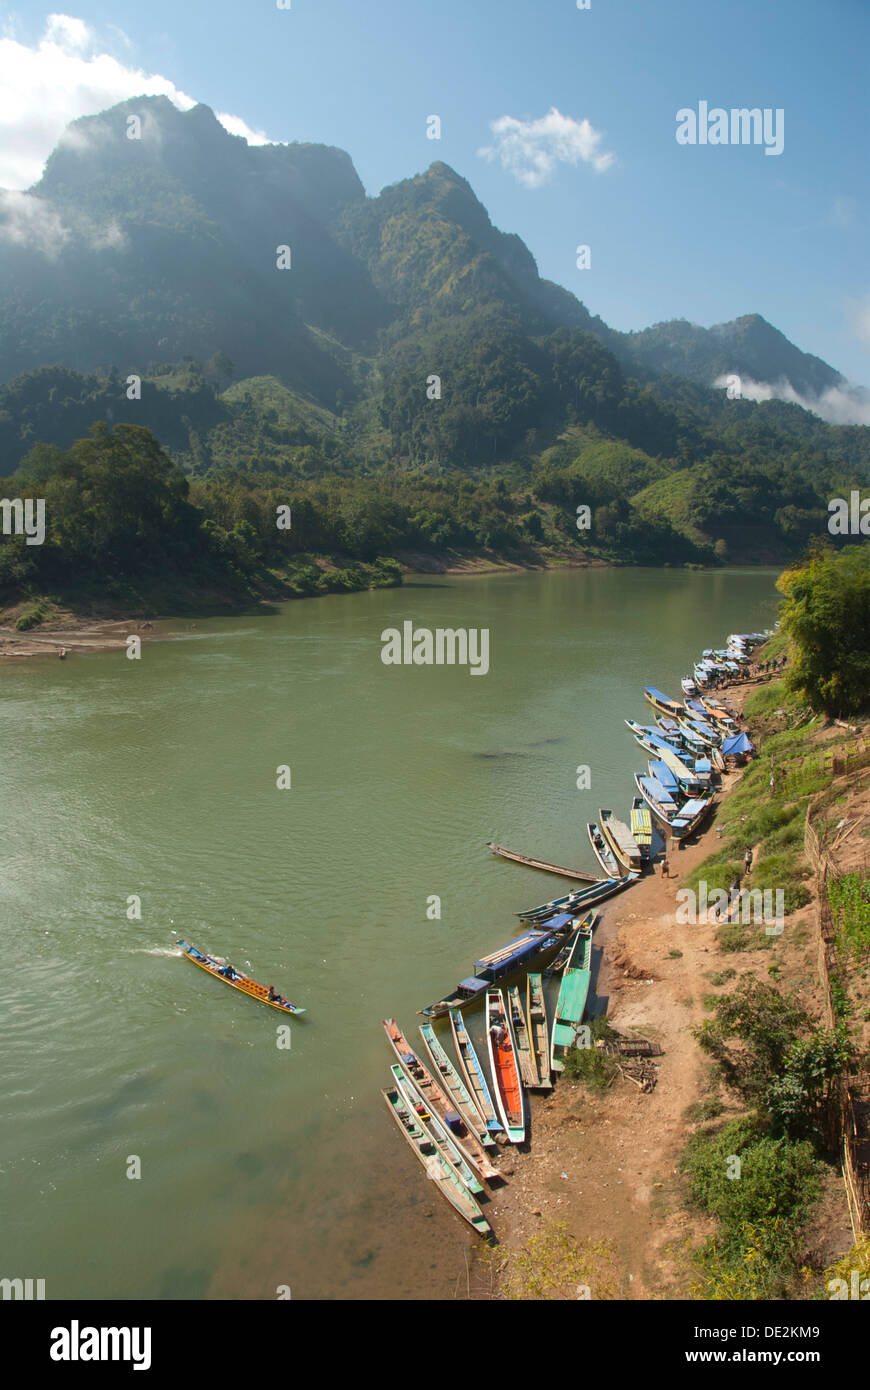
column 68, row 74
column 839, row 405
column 532, row 150
column 236, row 126
column 28, row 221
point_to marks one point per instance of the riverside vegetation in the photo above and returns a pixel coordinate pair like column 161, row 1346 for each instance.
column 773, row 1059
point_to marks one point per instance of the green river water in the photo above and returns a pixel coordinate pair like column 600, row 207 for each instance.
column 263, row 1167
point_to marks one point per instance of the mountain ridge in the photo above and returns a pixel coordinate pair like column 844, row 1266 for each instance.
column 183, row 226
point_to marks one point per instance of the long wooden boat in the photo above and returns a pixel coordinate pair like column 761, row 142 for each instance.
column 578, row 902
column 681, row 820
column 453, row 1084
column 427, row 1087
column 663, row 703
column 621, row 840
column 603, row 852
column 526, row 950
column 698, row 729
column 571, row 1004
column 720, row 716
column 439, row 1131
column 540, row 864
column 522, row 1038
column 473, row 1072
column 230, row 976
column 681, row 763
column 673, row 785
column 641, row 826
column 504, row 1067
column 558, row 963
column 539, row 1032
column 437, row 1168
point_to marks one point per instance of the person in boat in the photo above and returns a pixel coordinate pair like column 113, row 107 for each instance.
column 273, row 997
column 228, row 972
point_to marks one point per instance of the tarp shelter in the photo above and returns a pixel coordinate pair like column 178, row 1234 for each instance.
column 736, row 745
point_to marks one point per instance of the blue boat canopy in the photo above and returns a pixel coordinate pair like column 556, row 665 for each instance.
column 737, row 743
column 560, row 921
column 527, row 945
column 657, row 791
column 703, row 765
column 692, row 808
column 659, row 695
column 662, row 773
column 473, row 985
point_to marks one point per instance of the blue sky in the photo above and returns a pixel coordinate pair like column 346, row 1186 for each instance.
column 701, row 232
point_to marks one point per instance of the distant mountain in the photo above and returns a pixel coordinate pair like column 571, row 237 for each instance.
column 748, row 346
column 132, row 252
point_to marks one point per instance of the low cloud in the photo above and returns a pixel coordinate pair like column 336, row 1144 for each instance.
column 68, row 73
column 533, row 150
column 28, row 221
column 838, row 405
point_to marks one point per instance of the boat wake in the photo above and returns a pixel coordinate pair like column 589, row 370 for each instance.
column 153, row 951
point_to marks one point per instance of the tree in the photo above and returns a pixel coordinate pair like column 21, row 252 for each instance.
column 826, row 613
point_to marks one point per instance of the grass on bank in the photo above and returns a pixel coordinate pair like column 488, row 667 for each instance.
column 553, row 1265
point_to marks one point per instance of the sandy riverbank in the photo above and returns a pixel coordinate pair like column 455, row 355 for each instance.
column 75, row 636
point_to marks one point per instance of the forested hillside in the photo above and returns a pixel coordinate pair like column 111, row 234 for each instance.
column 408, row 382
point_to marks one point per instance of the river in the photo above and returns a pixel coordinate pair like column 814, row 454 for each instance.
column 263, row 1167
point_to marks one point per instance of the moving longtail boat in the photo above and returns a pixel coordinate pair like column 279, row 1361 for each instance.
column 603, row 851
column 453, row 1084
column 427, row 1087
column 574, row 903
column 503, row 1064
column 522, row 1041
column 473, row 1073
column 440, row 1133
column 621, row 841
column 230, row 976
column 437, row 1168
column 528, row 949
column 571, row 1004
column 539, row 1033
